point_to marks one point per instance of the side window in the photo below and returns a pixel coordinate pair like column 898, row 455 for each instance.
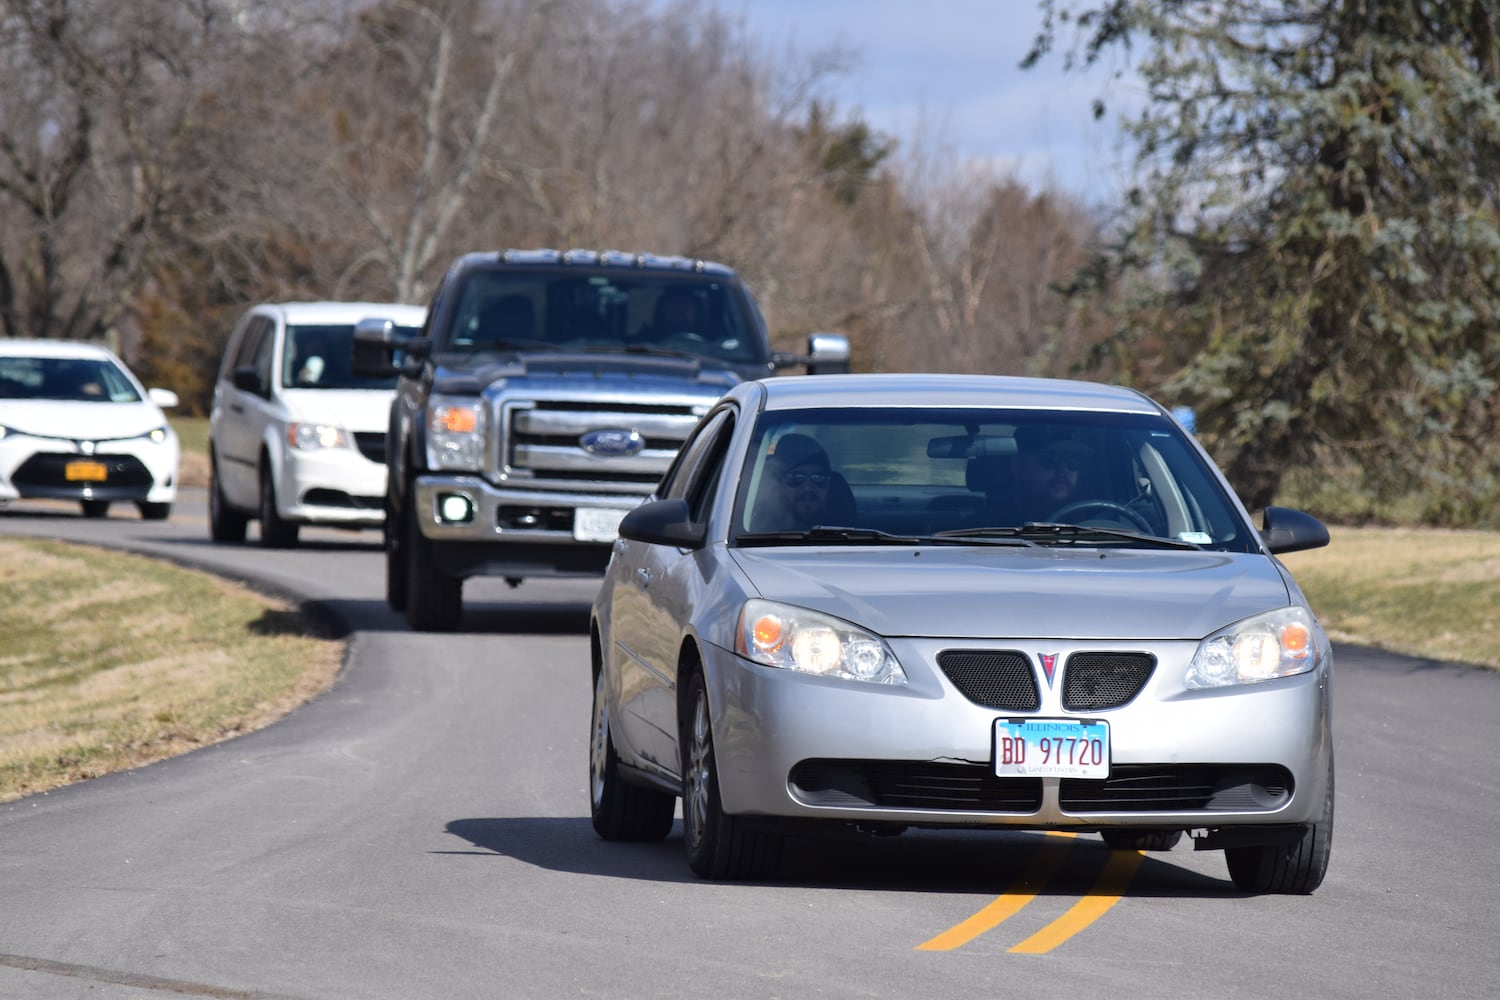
column 264, row 346
column 695, row 474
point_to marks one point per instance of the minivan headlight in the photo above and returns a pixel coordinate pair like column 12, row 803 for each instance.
column 1278, row 643
column 793, row 638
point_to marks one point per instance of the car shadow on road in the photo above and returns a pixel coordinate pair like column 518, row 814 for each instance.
column 919, row 861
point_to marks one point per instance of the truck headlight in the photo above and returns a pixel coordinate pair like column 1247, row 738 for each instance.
column 455, row 433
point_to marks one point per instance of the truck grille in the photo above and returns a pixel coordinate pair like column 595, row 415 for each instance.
column 541, row 443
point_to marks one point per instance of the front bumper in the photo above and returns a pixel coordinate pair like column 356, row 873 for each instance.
column 135, row 469
column 522, row 517
column 332, row 486
column 800, row 747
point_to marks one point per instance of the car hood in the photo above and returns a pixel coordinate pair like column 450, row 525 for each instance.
column 351, row 409
column 54, row 418
column 984, row 592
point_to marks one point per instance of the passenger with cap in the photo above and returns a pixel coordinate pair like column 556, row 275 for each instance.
column 798, row 481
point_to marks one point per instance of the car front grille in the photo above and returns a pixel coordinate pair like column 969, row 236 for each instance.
column 47, row 471
column 1130, row 788
column 1093, row 681
column 992, row 678
column 900, row 784
column 1193, row 788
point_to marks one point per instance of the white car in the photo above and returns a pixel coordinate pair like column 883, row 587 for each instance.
column 76, row 424
column 295, row 436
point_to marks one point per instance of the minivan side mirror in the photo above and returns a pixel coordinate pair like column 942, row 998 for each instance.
column 247, row 379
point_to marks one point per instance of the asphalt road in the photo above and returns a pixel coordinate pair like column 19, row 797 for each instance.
column 421, row 831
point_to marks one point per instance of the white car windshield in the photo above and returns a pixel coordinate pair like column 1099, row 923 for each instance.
column 88, row 380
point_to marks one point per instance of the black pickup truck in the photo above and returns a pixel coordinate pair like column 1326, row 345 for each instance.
column 545, row 396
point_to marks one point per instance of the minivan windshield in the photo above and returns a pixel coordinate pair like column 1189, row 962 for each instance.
column 318, row 356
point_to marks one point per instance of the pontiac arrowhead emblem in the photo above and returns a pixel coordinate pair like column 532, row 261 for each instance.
column 1049, row 665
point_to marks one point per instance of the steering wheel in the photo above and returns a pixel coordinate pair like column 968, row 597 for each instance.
column 1071, row 511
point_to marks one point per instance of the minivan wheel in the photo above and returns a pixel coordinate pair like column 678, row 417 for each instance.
column 225, row 524
column 275, row 533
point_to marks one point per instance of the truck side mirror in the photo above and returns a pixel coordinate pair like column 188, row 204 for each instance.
column 376, row 345
column 827, row 354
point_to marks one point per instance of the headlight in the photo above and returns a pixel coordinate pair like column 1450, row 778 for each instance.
column 455, row 434
column 779, row 635
column 309, row 437
column 1276, row 644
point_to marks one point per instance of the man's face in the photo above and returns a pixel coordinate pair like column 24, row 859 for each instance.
column 804, row 488
column 1052, row 472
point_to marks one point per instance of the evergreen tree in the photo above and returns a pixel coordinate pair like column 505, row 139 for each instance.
column 1313, row 240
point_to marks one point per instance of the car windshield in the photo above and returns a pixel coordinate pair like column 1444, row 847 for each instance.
column 671, row 314
column 982, row 476
column 90, row 380
column 318, row 357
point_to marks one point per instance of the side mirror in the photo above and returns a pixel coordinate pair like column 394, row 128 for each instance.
column 246, row 379
column 376, row 344
column 165, row 398
column 663, row 522
column 1286, row 530
column 827, row 354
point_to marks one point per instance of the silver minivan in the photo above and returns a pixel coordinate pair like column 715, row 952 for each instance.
column 296, row 437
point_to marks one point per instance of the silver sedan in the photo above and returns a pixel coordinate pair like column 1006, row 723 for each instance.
column 877, row 602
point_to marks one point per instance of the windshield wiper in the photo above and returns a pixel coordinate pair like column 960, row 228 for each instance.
column 1047, row 530
column 824, row 534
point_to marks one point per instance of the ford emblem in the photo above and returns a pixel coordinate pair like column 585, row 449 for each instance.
column 612, row 441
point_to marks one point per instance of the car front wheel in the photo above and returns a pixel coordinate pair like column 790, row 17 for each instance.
column 621, row 811
column 1295, row 867
column 154, row 511
column 719, row 846
column 94, row 508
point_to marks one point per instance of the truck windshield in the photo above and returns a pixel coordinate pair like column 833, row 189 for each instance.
column 580, row 311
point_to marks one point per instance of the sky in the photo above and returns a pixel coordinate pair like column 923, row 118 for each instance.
column 951, row 69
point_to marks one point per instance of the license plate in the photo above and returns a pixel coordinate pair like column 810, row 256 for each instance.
column 596, row 524
column 1052, row 748
column 86, row 472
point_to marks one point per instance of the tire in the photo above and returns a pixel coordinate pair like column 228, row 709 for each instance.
column 719, row 846
column 94, row 508
column 434, row 601
column 621, row 811
column 1141, row 840
column 1293, row 868
column 154, row 511
column 395, row 561
column 275, row 533
column 224, row 523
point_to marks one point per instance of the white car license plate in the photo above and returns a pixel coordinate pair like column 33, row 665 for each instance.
column 596, row 524
column 1052, row 748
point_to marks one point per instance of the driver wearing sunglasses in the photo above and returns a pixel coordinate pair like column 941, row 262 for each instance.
column 800, row 475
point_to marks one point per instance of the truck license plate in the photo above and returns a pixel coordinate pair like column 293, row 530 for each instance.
column 596, row 524
column 1052, row 748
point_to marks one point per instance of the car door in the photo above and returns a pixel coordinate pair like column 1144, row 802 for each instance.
column 663, row 583
column 243, row 413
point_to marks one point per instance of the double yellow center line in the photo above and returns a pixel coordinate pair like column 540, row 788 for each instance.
column 1106, row 892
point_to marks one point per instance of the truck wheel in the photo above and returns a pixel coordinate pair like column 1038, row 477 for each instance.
column 434, row 602
column 395, row 562
column 275, row 533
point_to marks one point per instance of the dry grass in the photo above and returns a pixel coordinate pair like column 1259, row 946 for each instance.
column 1434, row 594
column 114, row 660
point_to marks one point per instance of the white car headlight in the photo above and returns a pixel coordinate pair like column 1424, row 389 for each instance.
column 1278, row 643
column 455, row 433
column 310, row 437
column 780, row 635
